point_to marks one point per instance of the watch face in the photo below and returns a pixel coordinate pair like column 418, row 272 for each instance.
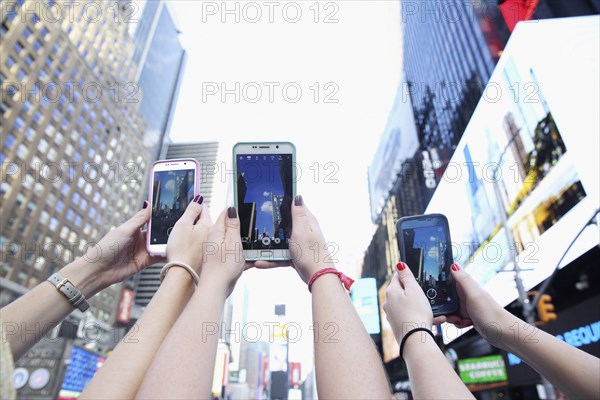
column 20, row 377
column 39, row 378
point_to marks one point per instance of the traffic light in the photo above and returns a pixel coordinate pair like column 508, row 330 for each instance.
column 546, row 309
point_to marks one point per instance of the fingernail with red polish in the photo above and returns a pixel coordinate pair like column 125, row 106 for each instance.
column 231, row 212
column 455, row 267
column 145, row 205
column 298, row 200
column 198, row 199
column 400, row 266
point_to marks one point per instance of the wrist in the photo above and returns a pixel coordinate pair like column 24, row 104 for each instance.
column 213, row 287
column 418, row 345
column 307, row 271
column 409, row 326
column 83, row 277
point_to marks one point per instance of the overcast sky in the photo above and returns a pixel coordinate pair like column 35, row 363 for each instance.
column 353, row 64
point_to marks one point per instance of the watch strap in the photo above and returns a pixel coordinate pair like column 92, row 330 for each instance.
column 71, row 293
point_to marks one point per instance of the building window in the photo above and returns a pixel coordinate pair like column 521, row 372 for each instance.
column 19, row 200
column 70, row 214
column 5, row 190
column 37, row 117
column 58, row 138
column 18, row 47
column 29, row 60
column 65, row 189
column 22, row 152
column 37, row 45
column 10, row 140
column 69, row 150
column 27, row 32
column 44, row 217
column 43, row 145
column 59, row 206
column 44, row 32
column 10, row 61
column 52, row 154
column 30, row 133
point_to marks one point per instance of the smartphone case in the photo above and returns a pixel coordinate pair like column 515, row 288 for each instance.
column 402, row 250
column 150, row 193
column 235, row 194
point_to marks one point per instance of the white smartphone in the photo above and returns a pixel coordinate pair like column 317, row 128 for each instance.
column 173, row 185
column 264, row 188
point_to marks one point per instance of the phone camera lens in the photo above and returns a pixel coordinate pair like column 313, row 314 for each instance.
column 277, row 146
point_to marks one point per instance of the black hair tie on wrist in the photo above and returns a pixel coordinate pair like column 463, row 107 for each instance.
column 410, row 333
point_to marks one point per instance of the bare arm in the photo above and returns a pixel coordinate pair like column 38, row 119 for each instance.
column 184, row 364
column 123, row 372
column 341, row 340
column 27, row 319
column 406, row 307
column 343, row 348
column 575, row 372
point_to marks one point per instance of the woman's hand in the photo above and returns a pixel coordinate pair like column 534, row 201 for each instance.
column 188, row 238
column 406, row 306
column 308, row 247
column 120, row 254
column 223, row 255
column 477, row 307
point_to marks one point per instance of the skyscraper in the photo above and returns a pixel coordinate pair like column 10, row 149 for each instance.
column 161, row 58
column 447, row 61
column 73, row 159
column 148, row 280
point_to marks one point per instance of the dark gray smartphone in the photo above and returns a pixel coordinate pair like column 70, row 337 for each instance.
column 425, row 245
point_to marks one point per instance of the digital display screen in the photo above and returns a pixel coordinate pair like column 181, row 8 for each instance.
column 172, row 191
column 265, row 191
column 430, row 260
column 81, row 369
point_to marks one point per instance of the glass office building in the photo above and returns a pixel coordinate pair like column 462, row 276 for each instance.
column 162, row 60
column 448, row 59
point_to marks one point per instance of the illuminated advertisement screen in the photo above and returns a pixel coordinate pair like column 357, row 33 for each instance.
column 398, row 143
column 482, row 370
column 81, row 368
column 523, row 180
column 364, row 297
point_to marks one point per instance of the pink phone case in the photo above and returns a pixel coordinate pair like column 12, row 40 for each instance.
column 150, row 193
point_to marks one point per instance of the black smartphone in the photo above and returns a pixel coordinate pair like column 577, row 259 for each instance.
column 425, row 245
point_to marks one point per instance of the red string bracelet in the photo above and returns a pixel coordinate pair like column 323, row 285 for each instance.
column 346, row 280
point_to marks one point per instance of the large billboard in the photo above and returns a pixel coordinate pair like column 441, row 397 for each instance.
column 528, row 159
column 398, row 143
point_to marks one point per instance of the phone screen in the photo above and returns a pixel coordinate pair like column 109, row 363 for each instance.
column 427, row 254
column 172, row 191
column 265, row 190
